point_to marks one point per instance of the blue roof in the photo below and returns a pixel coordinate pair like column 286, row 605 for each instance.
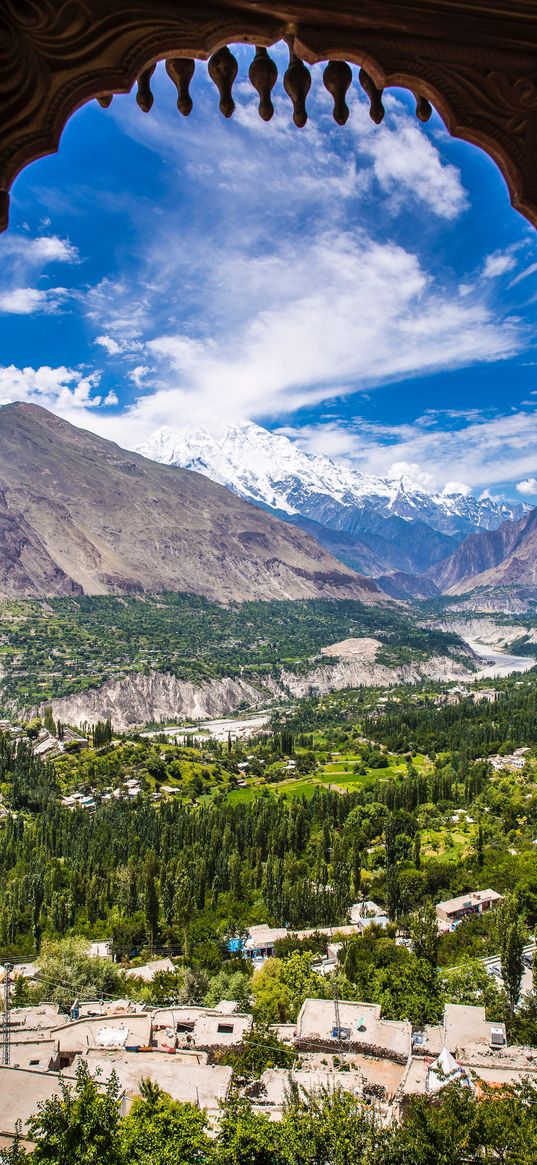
column 234, row 944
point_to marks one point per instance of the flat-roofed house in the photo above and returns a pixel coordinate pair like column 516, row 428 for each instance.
column 200, row 1027
column 205, row 1085
column 22, row 1090
column 261, row 941
column 450, row 913
column 360, row 1029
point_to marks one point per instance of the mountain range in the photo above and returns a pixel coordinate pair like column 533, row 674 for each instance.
column 80, row 515
column 506, row 557
column 381, row 526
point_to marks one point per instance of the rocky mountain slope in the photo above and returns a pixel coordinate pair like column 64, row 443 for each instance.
column 507, row 558
column 79, row 515
column 481, row 553
column 383, row 525
column 501, row 562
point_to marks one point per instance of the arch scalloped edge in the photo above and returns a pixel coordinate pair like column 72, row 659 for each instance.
column 77, row 92
column 156, row 45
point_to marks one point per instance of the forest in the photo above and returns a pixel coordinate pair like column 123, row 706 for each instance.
column 185, row 874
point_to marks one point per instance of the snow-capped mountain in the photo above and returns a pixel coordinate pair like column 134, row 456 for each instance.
column 380, row 523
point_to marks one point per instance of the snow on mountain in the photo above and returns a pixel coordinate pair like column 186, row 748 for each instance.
column 273, row 471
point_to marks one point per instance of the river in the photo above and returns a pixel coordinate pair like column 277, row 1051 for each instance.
column 499, row 663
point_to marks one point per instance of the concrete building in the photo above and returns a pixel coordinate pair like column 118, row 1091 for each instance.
column 22, row 1090
column 261, row 940
column 148, row 971
column 109, row 1031
column 451, row 912
column 365, row 910
column 101, row 950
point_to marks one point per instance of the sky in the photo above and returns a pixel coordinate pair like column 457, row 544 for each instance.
column 366, row 290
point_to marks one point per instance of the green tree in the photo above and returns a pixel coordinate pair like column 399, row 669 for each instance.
column 331, row 1127
column 424, row 934
column 66, row 972
column 15, row 1155
column 162, row 1131
column 282, row 985
column 480, row 848
column 151, row 896
column 248, row 1138
column 236, row 985
column 417, row 850
column 80, row 1126
column 460, row 1127
column 510, row 934
column 469, row 983
column 260, row 1049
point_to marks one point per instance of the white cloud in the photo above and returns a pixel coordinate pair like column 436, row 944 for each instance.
column 51, row 249
column 475, row 455
column 407, row 163
column 22, row 258
column 66, row 391
column 457, row 487
column 531, row 270
column 113, row 347
column 138, row 375
column 411, row 469
column 38, row 251
column 23, row 301
column 498, row 264
column 529, row 486
column 350, row 314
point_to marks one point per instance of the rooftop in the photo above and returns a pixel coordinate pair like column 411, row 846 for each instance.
column 473, row 898
column 316, row 1022
column 202, row 1084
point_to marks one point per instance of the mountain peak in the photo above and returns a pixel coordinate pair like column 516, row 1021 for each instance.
column 274, row 471
column 80, row 515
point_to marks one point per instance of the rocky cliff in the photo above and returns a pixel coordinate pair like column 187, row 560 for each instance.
column 138, row 699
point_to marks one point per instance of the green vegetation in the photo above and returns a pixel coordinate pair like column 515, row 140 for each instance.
column 186, row 871
column 56, row 647
column 83, row 1126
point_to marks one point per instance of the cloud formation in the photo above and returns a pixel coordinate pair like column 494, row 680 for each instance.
column 267, row 271
column 528, row 487
column 25, row 301
column 482, row 452
column 67, row 391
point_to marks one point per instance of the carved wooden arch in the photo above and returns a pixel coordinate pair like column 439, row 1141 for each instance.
column 475, row 60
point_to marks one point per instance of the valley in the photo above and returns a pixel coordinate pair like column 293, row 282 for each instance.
column 154, row 656
column 245, row 790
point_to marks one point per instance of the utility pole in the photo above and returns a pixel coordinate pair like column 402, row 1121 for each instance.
column 5, row 1018
column 337, row 1025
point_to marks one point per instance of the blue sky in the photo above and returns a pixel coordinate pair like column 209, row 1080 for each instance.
column 366, row 290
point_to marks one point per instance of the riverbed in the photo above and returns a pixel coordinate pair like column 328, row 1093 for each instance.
column 237, row 728
column 498, row 663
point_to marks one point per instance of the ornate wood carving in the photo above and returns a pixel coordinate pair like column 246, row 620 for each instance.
column 181, row 71
column 474, row 60
column 337, row 78
column 297, row 84
column 263, row 74
column 223, row 69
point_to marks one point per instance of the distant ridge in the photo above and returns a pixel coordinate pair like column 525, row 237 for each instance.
column 79, row 515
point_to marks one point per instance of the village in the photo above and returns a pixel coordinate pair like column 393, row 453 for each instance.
column 339, row 1044
column 335, row 1043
